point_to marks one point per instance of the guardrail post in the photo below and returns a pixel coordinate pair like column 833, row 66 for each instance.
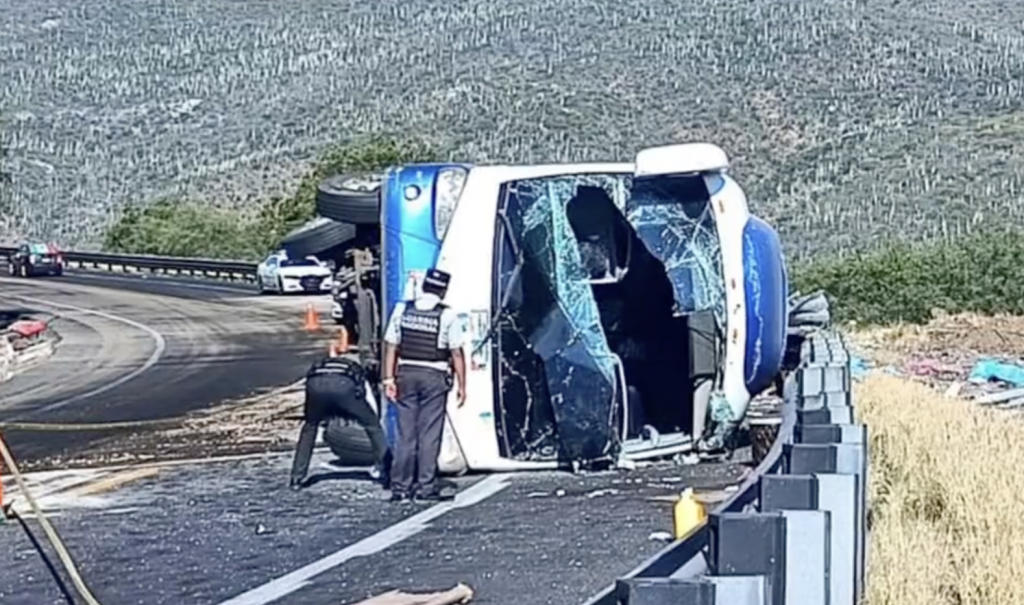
column 848, row 455
column 808, row 536
column 831, row 415
column 750, row 544
column 728, row 590
column 840, row 469
column 657, row 591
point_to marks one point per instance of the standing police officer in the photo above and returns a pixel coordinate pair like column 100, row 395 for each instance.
column 336, row 387
column 423, row 340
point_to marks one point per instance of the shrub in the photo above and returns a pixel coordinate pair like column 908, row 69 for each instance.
column 185, row 228
column 982, row 272
column 368, row 155
column 172, row 227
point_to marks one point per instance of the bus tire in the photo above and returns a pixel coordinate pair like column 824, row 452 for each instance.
column 348, row 441
column 317, row 237
column 350, row 199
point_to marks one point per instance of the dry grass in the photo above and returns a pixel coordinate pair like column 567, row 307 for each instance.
column 947, row 498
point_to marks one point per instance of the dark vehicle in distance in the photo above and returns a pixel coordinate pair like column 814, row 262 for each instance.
column 30, row 260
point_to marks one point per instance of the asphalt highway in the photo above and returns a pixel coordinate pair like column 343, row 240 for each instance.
column 229, row 532
column 141, row 349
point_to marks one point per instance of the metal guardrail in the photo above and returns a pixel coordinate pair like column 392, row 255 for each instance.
column 162, row 265
column 795, row 532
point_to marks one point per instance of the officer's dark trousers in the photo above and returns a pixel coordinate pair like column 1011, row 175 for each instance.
column 329, row 396
column 422, row 396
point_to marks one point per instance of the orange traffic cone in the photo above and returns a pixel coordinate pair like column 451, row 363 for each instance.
column 312, row 319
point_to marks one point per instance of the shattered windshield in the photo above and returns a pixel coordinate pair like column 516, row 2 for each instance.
column 674, row 219
column 591, row 273
column 557, row 373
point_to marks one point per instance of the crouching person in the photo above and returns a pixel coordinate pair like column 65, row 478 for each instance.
column 336, row 387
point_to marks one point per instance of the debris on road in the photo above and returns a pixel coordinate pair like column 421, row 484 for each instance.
column 22, row 343
column 266, row 421
column 460, row 594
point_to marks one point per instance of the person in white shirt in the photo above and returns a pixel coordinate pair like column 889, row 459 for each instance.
column 422, row 349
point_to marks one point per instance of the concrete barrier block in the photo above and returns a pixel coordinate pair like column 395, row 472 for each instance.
column 821, row 434
column 807, row 557
column 804, row 459
column 839, row 415
column 781, row 492
column 825, row 400
column 837, row 495
column 750, row 544
column 740, row 590
column 658, row 591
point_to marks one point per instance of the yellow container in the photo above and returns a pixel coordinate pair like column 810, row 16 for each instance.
column 687, row 514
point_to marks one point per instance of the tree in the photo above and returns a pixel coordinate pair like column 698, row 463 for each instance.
column 173, row 227
column 362, row 156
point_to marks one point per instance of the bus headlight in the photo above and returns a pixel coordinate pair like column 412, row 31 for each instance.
column 448, row 190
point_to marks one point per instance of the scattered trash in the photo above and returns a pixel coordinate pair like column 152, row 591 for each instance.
column 660, row 536
column 537, row 495
column 859, row 367
column 689, row 459
column 625, row 464
column 986, row 370
column 27, row 328
column 1000, row 397
column 261, row 529
column 559, row 492
column 602, row 492
column 932, row 368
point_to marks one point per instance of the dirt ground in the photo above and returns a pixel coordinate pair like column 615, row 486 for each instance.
column 262, row 422
column 943, row 335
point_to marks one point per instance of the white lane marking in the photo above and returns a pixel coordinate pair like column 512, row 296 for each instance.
column 292, row 582
column 154, row 357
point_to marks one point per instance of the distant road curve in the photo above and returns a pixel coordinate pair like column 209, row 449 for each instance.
column 141, row 349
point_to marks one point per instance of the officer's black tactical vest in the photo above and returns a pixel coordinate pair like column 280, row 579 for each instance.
column 420, row 332
column 336, row 366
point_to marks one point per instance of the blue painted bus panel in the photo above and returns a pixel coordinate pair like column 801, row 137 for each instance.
column 767, row 291
column 408, row 241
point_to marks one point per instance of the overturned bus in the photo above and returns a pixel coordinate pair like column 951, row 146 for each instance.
column 616, row 311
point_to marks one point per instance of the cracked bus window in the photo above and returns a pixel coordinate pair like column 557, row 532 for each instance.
column 525, row 421
column 673, row 217
column 557, row 373
column 594, row 345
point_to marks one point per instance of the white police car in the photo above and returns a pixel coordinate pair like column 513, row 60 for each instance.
column 280, row 274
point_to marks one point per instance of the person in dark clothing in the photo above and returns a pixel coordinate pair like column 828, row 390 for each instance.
column 423, row 341
column 336, row 387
